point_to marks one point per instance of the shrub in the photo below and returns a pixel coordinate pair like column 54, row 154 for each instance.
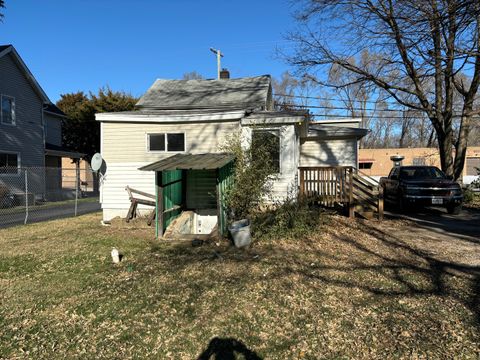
column 290, row 219
column 253, row 178
column 468, row 195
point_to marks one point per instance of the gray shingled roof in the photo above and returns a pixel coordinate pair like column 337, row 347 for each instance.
column 209, row 161
column 252, row 92
column 326, row 131
column 3, row 47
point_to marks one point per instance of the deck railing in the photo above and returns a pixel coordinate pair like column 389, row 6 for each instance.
column 345, row 186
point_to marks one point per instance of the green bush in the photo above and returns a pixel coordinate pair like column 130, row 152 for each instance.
column 291, row 219
column 253, row 178
column 468, row 195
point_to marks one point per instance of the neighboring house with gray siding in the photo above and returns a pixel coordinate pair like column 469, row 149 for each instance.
column 30, row 125
column 196, row 117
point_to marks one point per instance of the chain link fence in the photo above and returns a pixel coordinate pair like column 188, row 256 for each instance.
column 32, row 194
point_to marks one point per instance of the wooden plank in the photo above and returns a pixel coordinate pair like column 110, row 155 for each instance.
column 131, row 190
column 151, row 217
column 131, row 210
column 160, row 217
column 219, row 204
column 176, row 207
column 350, row 195
column 144, row 202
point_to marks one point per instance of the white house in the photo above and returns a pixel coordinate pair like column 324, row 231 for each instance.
column 195, row 117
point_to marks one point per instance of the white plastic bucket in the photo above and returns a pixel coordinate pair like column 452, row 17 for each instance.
column 240, row 231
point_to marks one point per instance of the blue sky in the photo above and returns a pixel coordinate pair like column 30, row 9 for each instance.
column 72, row 45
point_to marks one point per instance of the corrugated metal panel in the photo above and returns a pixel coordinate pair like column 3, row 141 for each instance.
column 225, row 182
column 172, row 194
column 201, row 189
column 208, row 161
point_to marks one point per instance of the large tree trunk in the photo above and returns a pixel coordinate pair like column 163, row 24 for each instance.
column 445, row 147
column 461, row 145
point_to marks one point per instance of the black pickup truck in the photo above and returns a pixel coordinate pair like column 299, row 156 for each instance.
column 413, row 186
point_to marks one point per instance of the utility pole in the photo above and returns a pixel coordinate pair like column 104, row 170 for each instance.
column 219, row 56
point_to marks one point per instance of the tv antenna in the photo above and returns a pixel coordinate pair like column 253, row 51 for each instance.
column 219, row 61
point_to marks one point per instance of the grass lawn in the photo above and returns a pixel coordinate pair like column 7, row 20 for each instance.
column 351, row 290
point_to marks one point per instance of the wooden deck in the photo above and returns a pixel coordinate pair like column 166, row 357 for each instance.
column 345, row 186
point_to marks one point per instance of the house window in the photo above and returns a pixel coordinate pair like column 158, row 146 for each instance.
column 365, row 165
column 7, row 105
column 173, row 142
column 8, row 163
column 269, row 141
column 418, row 161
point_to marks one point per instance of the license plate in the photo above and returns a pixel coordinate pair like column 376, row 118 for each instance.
column 436, row 201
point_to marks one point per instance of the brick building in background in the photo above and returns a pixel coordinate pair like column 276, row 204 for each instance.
column 376, row 162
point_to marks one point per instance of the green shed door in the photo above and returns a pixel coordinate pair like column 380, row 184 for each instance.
column 201, row 189
column 172, row 194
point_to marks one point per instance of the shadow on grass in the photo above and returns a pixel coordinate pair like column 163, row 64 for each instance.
column 227, row 349
column 396, row 268
column 402, row 265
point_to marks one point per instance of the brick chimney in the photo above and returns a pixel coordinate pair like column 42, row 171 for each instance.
column 224, row 74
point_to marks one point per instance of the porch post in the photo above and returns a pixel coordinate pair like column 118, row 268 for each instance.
column 351, row 209
column 158, row 205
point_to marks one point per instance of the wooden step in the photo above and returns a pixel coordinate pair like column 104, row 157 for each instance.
column 364, row 212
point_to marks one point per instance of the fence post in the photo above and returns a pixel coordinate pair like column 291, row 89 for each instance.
column 351, row 208
column 77, row 174
column 302, row 184
column 26, row 196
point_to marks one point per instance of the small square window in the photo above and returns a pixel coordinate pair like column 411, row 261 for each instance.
column 156, row 142
column 8, row 163
column 176, row 142
column 7, row 110
column 365, row 165
column 171, row 142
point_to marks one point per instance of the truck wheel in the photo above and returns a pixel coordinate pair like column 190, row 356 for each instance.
column 454, row 209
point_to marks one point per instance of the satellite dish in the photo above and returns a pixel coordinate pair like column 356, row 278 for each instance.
column 96, row 162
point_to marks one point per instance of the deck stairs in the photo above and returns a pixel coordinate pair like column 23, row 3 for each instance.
column 342, row 186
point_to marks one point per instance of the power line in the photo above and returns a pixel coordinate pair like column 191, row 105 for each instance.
column 321, row 98
column 340, row 100
column 346, row 108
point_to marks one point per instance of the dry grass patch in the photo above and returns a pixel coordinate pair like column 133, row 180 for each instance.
column 351, row 289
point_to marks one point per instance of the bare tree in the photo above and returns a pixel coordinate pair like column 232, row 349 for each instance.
column 417, row 43
column 2, row 6
column 192, row 75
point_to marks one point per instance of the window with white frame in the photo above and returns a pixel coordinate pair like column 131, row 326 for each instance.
column 269, row 141
column 8, row 163
column 7, row 110
column 169, row 142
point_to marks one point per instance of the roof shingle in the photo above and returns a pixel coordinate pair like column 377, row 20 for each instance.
column 252, row 92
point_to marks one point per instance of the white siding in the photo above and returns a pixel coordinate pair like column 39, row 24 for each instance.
column 122, row 142
column 328, row 152
column 286, row 182
column 113, row 195
column 124, row 149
